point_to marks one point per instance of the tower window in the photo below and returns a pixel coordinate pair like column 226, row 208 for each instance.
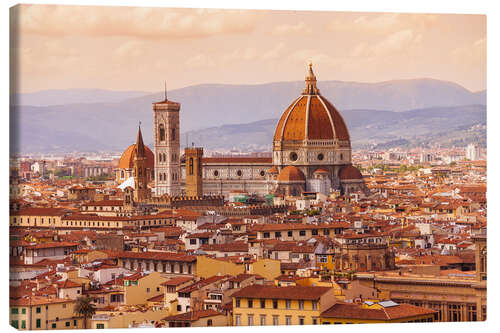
column 162, row 132
column 173, row 133
column 190, row 165
column 341, row 157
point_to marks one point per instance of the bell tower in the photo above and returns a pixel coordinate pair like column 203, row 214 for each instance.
column 141, row 192
column 194, row 171
column 167, row 147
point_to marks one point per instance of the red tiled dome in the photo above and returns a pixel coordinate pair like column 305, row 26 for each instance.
column 350, row 172
column 311, row 117
column 321, row 170
column 127, row 159
column 291, row 173
column 273, row 170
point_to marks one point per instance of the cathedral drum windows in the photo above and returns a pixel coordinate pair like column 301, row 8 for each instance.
column 293, row 156
column 239, row 173
column 216, row 173
column 321, row 156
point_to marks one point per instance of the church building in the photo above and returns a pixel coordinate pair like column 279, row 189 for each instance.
column 311, row 152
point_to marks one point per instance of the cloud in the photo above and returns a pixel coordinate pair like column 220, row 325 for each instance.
column 470, row 55
column 147, row 23
column 285, row 29
column 200, row 61
column 400, row 41
column 274, row 53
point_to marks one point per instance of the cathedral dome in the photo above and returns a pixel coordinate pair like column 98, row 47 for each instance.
column 127, row 159
column 290, row 174
column 350, row 172
column 321, row 171
column 311, row 117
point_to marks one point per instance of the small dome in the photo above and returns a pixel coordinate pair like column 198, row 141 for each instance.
column 350, row 172
column 291, row 173
column 273, row 170
column 321, row 170
column 127, row 159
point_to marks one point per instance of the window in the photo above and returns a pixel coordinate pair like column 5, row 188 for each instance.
column 23, row 310
column 288, row 320
column 301, row 320
column 237, row 302
column 54, row 325
column 250, row 320
column 64, row 306
column 275, row 303
column 173, row 134
column 294, row 157
column 237, row 320
column 301, row 304
column 277, row 234
column 162, row 135
column 23, row 324
column 209, row 322
column 67, row 324
column 288, row 304
column 14, row 311
column 192, row 241
column 266, row 235
column 147, row 290
column 190, row 165
column 302, row 232
column 315, row 305
column 250, row 303
column 179, row 308
column 315, row 321
column 38, row 323
column 471, row 312
column 262, row 320
column 38, row 309
column 314, row 232
column 239, row 173
column 15, row 323
column 262, row 303
column 290, row 233
column 275, row 320
column 100, row 326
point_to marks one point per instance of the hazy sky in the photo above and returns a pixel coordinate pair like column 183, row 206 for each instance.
column 126, row 48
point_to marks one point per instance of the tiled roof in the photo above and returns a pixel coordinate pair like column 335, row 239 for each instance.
column 291, row 292
column 356, row 311
column 164, row 256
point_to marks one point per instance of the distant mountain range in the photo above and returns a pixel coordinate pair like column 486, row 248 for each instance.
column 244, row 116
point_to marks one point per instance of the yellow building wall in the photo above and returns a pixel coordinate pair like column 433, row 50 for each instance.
column 294, row 312
column 147, row 287
column 267, row 268
column 206, row 267
column 58, row 314
column 123, row 319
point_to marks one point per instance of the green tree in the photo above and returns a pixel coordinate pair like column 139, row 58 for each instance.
column 84, row 308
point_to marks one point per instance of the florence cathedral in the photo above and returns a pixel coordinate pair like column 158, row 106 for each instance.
column 311, row 153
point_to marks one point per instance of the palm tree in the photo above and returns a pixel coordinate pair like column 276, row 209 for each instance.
column 84, row 308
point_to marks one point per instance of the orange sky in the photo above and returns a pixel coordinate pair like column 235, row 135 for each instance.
column 126, row 48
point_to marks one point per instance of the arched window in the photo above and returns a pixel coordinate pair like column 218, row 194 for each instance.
column 173, row 134
column 161, row 178
column 190, row 165
column 162, row 132
column 123, row 174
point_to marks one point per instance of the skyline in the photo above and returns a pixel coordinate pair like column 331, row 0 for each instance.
column 196, row 46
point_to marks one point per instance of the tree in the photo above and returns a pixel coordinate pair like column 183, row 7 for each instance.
column 84, row 308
